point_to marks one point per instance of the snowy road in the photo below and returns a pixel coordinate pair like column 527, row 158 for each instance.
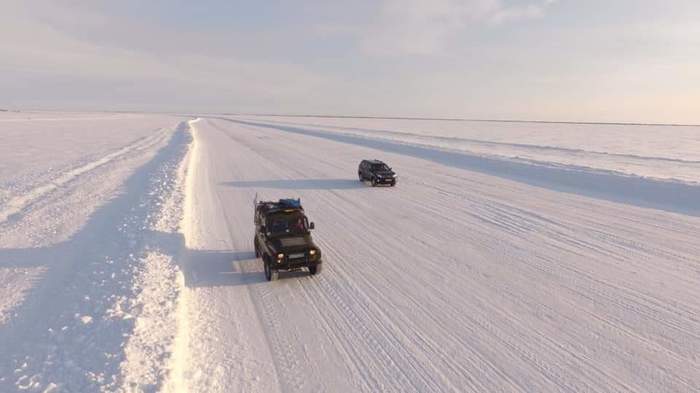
column 466, row 277
column 453, row 281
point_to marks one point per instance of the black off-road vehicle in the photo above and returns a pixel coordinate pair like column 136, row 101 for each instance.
column 283, row 238
column 376, row 172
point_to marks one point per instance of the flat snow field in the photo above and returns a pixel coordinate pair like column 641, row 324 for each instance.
column 127, row 263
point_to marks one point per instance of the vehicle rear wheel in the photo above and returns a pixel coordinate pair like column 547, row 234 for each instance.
column 359, row 175
column 256, row 246
column 314, row 269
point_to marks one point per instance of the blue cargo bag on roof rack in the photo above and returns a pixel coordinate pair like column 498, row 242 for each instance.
column 291, row 203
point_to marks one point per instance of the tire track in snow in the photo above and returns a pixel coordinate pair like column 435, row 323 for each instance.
column 388, row 355
column 376, row 338
column 373, row 336
column 529, row 243
column 15, row 205
column 283, row 350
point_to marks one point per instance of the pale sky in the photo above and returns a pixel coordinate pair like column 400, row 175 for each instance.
column 578, row 60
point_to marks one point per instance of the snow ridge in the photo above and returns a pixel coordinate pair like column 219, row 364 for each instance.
column 158, row 287
column 103, row 319
column 177, row 382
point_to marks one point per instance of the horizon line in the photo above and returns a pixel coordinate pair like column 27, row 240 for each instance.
column 373, row 117
column 614, row 123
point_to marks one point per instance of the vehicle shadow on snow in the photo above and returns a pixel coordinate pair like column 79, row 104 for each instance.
column 214, row 268
column 220, row 268
column 208, row 268
column 200, row 268
column 298, row 184
column 30, row 257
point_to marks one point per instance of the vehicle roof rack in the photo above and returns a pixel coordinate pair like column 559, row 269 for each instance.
column 283, row 204
column 290, row 203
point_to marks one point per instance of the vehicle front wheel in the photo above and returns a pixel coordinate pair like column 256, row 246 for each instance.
column 315, row 269
column 268, row 270
column 374, row 182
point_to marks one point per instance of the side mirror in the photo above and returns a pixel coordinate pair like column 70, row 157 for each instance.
column 312, row 226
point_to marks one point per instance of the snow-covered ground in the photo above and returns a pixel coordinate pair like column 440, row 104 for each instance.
column 76, row 256
column 511, row 257
column 657, row 151
column 651, row 165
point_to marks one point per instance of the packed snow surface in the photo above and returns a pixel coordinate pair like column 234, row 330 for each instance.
column 510, row 257
column 657, row 151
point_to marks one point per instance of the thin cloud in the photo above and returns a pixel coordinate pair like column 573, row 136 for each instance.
column 417, row 27
column 113, row 76
column 633, row 60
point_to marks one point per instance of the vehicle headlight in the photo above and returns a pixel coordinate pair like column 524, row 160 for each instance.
column 280, row 256
column 312, row 252
column 394, row 176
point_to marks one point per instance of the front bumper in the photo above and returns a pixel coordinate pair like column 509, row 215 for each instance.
column 295, row 263
column 385, row 180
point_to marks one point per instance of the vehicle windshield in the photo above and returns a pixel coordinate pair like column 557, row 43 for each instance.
column 380, row 167
column 282, row 224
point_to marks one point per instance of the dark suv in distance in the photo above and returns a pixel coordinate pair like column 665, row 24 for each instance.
column 376, row 172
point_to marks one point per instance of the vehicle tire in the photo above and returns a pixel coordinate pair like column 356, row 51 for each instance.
column 359, row 175
column 257, row 248
column 374, row 182
column 315, row 269
column 393, row 183
column 274, row 275
column 268, row 271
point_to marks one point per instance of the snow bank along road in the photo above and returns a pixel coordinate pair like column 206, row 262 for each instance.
column 459, row 279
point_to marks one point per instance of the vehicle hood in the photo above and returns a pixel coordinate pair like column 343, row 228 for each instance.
column 293, row 243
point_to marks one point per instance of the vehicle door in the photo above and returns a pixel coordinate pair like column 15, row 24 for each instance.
column 263, row 239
